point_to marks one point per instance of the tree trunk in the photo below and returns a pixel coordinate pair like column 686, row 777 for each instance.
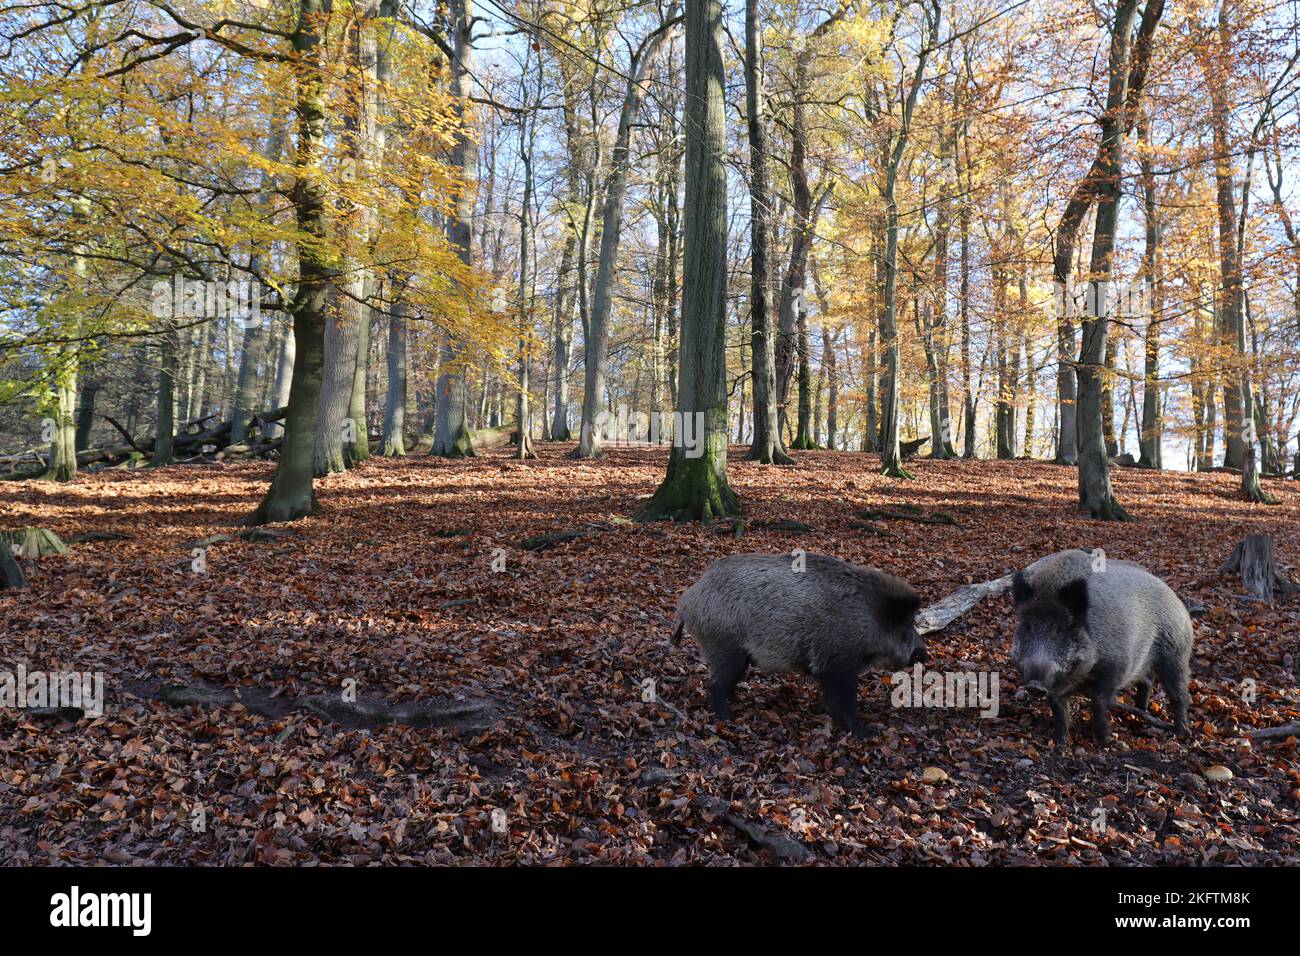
column 291, row 496
column 597, row 341
column 1238, row 400
column 890, row 453
column 166, row 427
column 283, row 373
column 765, row 443
column 696, row 484
column 394, row 440
column 1095, row 495
column 1150, row 438
column 85, row 413
column 451, row 437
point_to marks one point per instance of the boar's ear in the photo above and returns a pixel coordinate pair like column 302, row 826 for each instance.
column 1021, row 589
column 1074, row 598
column 897, row 607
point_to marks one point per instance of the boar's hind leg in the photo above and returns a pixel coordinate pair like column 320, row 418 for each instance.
column 840, row 692
column 1061, row 717
column 1174, row 675
column 726, row 674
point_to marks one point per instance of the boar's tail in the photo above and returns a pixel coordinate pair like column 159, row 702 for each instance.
column 677, row 635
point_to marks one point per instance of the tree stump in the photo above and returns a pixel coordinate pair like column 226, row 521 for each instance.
column 11, row 572
column 33, row 542
column 1253, row 560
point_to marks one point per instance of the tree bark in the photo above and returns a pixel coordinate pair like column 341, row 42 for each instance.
column 1095, row 494
column 166, row 427
column 597, row 341
column 696, row 484
column 291, row 496
column 451, row 437
column 764, row 444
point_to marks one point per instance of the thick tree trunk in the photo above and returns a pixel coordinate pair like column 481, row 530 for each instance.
column 166, row 427
column 291, row 496
column 63, row 447
column 696, row 484
column 334, row 428
column 85, row 413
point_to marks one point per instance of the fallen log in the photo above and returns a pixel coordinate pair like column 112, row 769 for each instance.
column 908, row 449
column 93, row 455
column 1275, row 733
column 85, row 536
column 942, row 613
column 907, row 512
column 127, row 435
column 246, row 450
column 1151, row 719
column 1254, row 561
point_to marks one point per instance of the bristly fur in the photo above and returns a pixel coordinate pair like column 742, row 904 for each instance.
column 896, row 601
column 1099, row 628
column 821, row 616
column 1021, row 589
column 1074, row 597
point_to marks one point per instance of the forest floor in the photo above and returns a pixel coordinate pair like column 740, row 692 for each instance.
column 392, row 586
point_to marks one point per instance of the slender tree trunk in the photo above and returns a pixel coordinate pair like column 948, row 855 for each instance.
column 597, row 342
column 890, row 452
column 1150, row 437
column 357, row 449
column 1238, row 399
column 451, row 436
column 1095, row 495
column 762, row 346
column 283, row 373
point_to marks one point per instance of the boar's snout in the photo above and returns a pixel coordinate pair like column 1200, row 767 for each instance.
column 919, row 656
column 1036, row 689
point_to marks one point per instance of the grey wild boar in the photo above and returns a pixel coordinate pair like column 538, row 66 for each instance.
column 830, row 619
column 1096, row 627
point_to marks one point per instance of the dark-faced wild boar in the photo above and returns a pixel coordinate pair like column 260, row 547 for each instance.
column 1092, row 625
column 813, row 615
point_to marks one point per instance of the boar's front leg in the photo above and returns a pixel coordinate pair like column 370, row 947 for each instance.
column 726, row 673
column 840, row 692
column 1102, row 698
column 1061, row 717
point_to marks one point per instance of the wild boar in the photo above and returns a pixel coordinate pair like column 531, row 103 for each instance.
column 818, row 615
column 1096, row 627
